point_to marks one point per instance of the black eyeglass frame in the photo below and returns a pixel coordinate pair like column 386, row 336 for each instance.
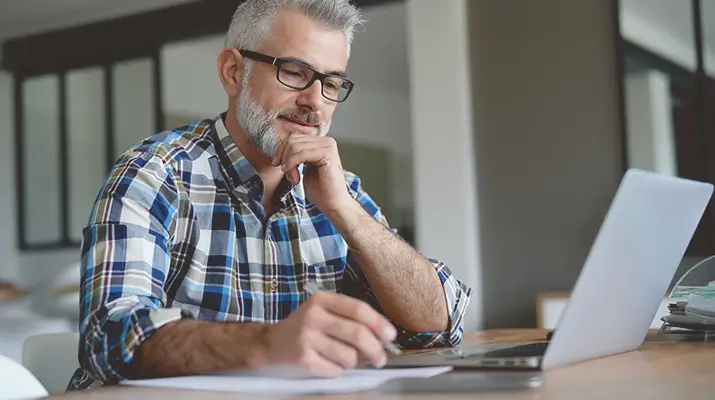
column 317, row 75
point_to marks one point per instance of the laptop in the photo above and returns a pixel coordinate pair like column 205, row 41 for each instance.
column 637, row 250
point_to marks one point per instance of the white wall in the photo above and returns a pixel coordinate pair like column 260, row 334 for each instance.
column 650, row 135
column 8, row 241
column 442, row 135
column 190, row 83
column 548, row 144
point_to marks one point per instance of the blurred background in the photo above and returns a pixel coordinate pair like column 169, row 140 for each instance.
column 493, row 133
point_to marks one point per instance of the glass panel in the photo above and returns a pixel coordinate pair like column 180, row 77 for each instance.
column 133, row 102
column 87, row 137
column 41, row 163
column 663, row 27
column 659, row 85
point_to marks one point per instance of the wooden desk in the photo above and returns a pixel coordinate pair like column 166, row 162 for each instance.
column 662, row 370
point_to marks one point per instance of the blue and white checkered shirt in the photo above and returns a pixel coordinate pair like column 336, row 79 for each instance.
column 178, row 230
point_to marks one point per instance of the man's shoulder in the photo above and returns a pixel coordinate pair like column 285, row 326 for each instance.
column 191, row 142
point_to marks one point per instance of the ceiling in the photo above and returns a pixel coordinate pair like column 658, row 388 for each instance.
column 23, row 17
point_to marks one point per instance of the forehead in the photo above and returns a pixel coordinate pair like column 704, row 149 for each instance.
column 296, row 35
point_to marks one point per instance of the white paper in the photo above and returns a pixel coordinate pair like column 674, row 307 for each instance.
column 701, row 305
column 351, row 381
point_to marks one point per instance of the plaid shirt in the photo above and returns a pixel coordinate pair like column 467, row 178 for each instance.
column 178, row 230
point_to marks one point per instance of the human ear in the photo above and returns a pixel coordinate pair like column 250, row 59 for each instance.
column 230, row 70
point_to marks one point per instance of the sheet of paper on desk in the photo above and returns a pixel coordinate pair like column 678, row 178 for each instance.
column 351, row 381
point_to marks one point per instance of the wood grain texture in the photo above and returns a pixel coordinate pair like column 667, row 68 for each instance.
column 659, row 369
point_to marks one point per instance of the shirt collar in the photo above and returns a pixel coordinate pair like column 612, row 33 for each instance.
column 241, row 173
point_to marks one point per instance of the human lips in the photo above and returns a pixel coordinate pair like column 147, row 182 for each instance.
column 299, row 122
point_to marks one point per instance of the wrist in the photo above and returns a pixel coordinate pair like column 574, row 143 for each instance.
column 344, row 208
column 346, row 214
column 258, row 355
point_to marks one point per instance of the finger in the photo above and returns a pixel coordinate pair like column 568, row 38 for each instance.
column 292, row 139
column 318, row 156
column 357, row 310
column 297, row 146
column 336, row 351
column 320, row 365
column 276, row 161
column 359, row 337
column 280, row 150
column 293, row 176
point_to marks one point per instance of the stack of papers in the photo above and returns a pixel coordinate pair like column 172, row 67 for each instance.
column 351, row 381
column 696, row 314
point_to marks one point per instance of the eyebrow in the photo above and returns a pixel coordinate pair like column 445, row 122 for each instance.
column 340, row 73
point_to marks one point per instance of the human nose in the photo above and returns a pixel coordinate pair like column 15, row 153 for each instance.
column 312, row 96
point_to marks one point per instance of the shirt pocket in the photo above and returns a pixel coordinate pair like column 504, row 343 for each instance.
column 325, row 275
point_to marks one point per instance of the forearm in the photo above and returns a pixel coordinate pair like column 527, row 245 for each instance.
column 197, row 347
column 404, row 282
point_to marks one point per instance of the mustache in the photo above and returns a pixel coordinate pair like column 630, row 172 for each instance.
column 306, row 117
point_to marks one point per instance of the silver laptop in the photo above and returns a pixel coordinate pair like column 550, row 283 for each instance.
column 625, row 276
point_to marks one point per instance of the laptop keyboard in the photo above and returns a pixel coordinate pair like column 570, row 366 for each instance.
column 528, row 350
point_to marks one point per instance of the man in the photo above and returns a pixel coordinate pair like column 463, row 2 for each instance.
column 202, row 238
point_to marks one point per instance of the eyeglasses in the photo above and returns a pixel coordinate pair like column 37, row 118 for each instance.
column 300, row 76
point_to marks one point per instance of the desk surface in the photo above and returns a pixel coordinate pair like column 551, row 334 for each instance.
column 658, row 369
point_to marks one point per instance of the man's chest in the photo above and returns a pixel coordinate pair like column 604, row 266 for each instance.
column 233, row 264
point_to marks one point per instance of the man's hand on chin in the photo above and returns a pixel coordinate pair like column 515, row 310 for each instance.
column 323, row 177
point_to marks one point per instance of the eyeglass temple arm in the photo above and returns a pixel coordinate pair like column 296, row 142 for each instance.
column 258, row 56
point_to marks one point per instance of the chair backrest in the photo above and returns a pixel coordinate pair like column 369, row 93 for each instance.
column 52, row 358
column 16, row 382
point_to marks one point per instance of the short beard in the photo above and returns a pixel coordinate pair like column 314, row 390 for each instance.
column 259, row 126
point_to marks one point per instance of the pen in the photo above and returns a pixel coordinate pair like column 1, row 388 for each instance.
column 312, row 287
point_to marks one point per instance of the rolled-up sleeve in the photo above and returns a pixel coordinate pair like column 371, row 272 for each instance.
column 125, row 259
column 457, row 294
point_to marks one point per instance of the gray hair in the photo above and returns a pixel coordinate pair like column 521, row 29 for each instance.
column 253, row 20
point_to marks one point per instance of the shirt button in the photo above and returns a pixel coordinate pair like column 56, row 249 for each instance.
column 274, row 284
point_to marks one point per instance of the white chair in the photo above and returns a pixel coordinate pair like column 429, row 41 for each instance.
column 16, row 382
column 52, row 358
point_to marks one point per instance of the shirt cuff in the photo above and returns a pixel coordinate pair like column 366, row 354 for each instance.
column 115, row 332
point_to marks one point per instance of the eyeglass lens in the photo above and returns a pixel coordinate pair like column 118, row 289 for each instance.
column 298, row 76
